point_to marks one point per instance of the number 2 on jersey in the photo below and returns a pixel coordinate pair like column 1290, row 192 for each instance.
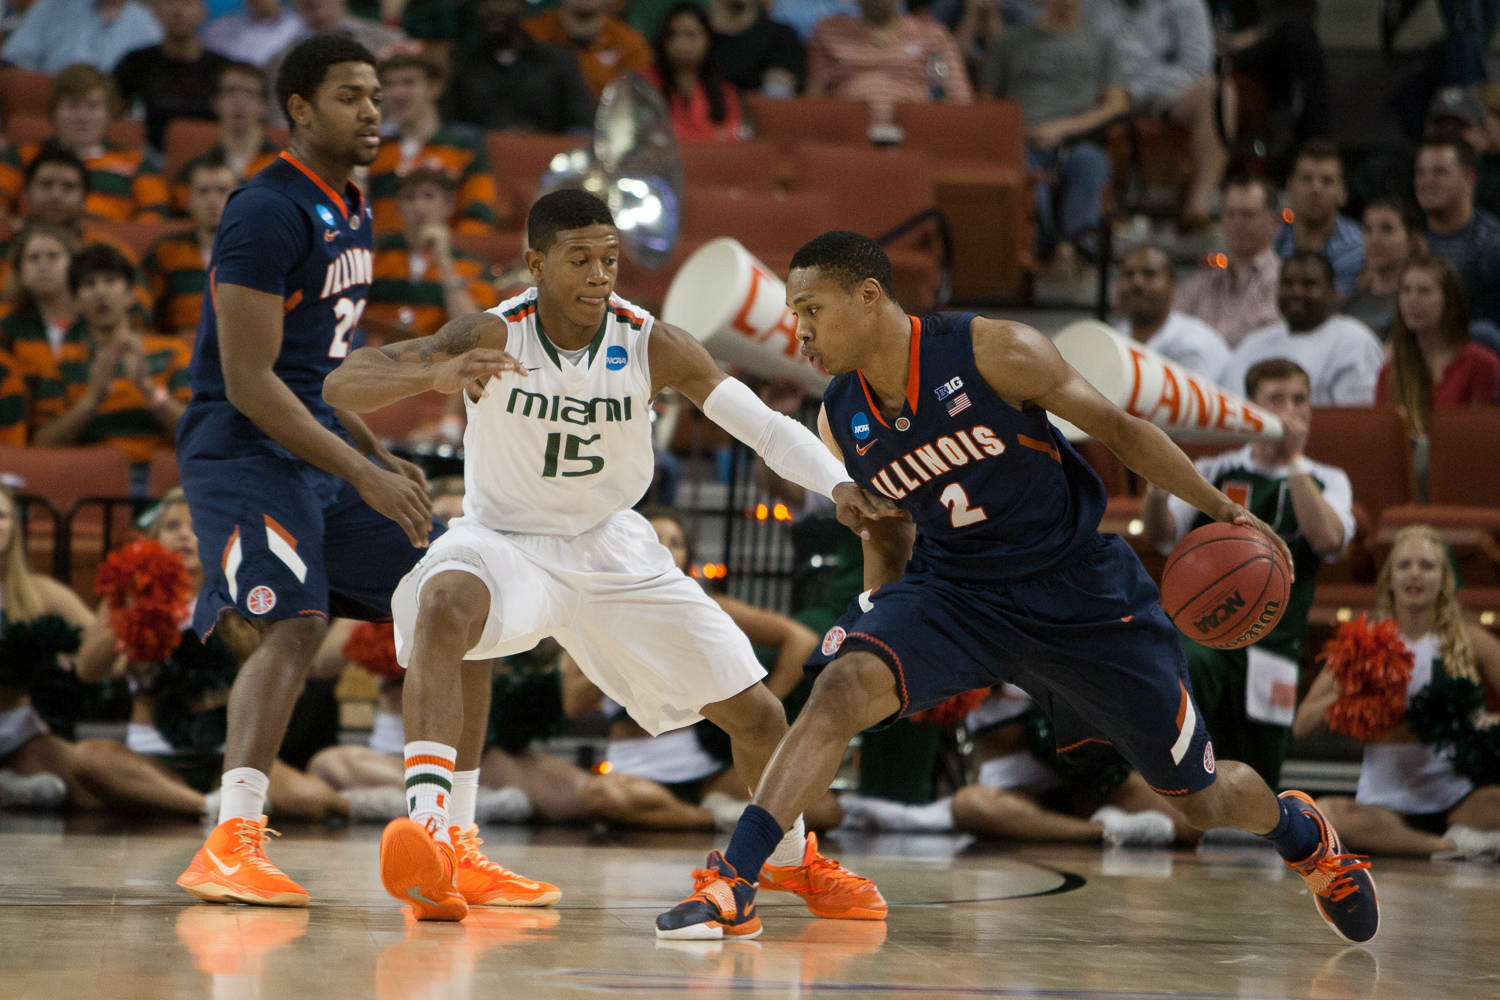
column 347, row 312
column 959, row 511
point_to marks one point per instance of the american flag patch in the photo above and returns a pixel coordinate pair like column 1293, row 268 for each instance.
column 957, row 404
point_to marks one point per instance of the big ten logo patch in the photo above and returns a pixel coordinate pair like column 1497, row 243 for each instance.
column 260, row 600
column 615, row 358
column 832, row 640
column 949, row 387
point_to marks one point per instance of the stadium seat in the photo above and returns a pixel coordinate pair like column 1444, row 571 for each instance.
column 67, row 478
column 23, row 92
column 1373, row 449
column 983, row 186
column 518, row 160
column 185, row 139
column 771, row 226
column 873, row 191
column 1461, row 445
column 790, row 123
column 134, row 239
column 163, row 473
column 755, row 165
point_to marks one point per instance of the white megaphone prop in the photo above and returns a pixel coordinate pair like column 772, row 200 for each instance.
column 1185, row 404
column 737, row 308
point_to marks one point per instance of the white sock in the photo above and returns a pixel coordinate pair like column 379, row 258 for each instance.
column 789, row 852
column 243, row 794
column 865, row 813
column 465, row 794
column 429, row 785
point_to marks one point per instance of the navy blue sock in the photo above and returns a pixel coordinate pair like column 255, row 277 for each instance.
column 754, row 838
column 1297, row 835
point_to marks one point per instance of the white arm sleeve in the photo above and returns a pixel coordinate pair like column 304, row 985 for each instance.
column 790, row 450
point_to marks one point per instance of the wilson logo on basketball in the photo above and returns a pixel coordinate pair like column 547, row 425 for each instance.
column 1208, row 757
column 1215, row 617
column 260, row 600
column 833, row 640
column 1267, row 619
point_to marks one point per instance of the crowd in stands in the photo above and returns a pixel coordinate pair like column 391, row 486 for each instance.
column 114, row 178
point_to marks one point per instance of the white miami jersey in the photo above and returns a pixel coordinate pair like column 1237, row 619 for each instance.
column 558, row 450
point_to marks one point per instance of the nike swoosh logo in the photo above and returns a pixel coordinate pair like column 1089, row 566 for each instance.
column 414, row 893
column 864, row 448
column 225, row 869
column 536, row 369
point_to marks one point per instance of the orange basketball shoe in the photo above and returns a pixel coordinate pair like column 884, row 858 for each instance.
column 484, row 883
column 232, row 867
column 418, row 869
column 826, row 887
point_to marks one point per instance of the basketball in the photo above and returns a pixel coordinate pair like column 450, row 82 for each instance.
column 1225, row 586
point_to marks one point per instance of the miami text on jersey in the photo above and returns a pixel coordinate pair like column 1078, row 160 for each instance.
column 569, row 409
column 355, row 266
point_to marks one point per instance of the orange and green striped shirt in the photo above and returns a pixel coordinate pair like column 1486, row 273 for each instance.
column 266, row 155
column 458, row 149
column 23, row 335
column 12, row 402
column 124, row 420
column 397, row 298
column 176, row 274
column 125, row 185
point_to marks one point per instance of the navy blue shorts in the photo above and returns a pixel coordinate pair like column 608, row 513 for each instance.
column 1088, row 641
column 281, row 539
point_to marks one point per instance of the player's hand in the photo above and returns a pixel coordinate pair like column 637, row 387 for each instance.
column 1293, row 439
column 857, row 508
column 400, row 499
column 1245, row 519
column 402, row 467
column 435, row 241
column 476, row 366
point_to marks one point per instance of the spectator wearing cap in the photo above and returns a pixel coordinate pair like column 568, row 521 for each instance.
column 1446, row 176
column 505, row 79
column 55, row 34
column 1473, row 115
column 413, row 82
column 421, row 281
column 253, row 35
column 1316, row 192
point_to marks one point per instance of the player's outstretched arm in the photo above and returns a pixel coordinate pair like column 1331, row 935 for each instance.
column 467, row 349
column 1025, row 368
column 790, row 450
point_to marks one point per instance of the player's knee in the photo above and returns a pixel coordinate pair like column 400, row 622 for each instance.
column 294, row 641
column 848, row 686
column 453, row 605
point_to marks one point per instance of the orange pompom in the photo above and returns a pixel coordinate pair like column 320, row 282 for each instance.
column 1373, row 668
column 147, row 589
column 954, row 710
column 372, row 646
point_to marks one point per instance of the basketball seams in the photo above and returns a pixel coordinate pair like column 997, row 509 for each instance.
column 1252, row 547
column 1218, row 580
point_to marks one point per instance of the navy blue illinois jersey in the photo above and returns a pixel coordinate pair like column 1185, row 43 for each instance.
column 287, row 233
column 996, row 493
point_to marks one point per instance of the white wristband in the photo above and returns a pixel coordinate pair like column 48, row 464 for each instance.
column 1299, row 467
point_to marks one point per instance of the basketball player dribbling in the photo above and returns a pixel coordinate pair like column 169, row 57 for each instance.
column 558, row 384
column 1001, row 575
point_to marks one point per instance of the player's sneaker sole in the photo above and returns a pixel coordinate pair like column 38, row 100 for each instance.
column 217, row 892
column 414, row 870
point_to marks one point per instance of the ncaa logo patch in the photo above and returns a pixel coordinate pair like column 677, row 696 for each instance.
column 326, row 214
column 1208, row 756
column 860, row 425
column 615, row 358
column 832, row 640
column 260, row 600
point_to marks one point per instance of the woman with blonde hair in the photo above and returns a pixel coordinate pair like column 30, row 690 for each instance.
column 1410, row 799
column 1434, row 363
column 95, row 773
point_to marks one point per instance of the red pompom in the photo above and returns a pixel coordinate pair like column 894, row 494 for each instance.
column 1373, row 668
column 147, row 589
column 372, row 646
column 954, row 710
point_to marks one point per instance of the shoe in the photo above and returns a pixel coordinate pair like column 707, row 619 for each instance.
column 722, row 905
column 1341, row 884
column 232, row 867
column 375, row 804
column 1147, row 828
column 419, row 869
column 826, row 887
column 484, row 883
column 42, row 790
column 501, row 805
column 1470, row 844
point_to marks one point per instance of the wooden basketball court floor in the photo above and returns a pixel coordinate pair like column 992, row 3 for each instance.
column 88, row 909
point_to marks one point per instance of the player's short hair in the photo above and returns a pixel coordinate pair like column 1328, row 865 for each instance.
column 1244, row 180
column 1403, row 208
column 81, row 80
column 1319, row 149
column 243, row 69
column 98, row 258
column 416, row 57
column 1467, row 157
column 1316, row 256
column 54, row 152
column 306, row 65
column 211, row 160
column 557, row 211
column 1272, row 368
column 848, row 258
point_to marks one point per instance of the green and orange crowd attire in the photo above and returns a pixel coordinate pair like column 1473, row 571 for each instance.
column 176, row 274
column 125, row 185
column 458, row 150
column 398, row 296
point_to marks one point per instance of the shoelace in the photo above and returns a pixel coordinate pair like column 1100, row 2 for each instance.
column 251, row 849
column 469, row 854
column 802, row 879
column 1330, row 876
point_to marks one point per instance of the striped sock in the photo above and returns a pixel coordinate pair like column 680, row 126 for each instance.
column 429, row 785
